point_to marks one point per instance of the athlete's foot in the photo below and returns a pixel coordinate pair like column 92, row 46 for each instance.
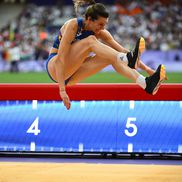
column 153, row 82
column 134, row 56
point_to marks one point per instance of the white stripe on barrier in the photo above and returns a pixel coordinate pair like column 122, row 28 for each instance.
column 179, row 148
column 180, row 104
column 130, row 147
column 82, row 103
column 34, row 104
column 32, row 146
column 80, row 147
column 132, row 104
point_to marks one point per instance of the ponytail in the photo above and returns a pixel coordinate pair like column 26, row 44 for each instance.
column 89, row 8
column 81, row 3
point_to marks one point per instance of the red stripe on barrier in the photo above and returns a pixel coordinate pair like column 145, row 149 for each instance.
column 88, row 92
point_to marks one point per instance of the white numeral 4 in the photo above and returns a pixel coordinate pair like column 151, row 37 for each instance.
column 129, row 124
column 34, row 128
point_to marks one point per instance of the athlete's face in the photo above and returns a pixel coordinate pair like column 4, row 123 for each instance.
column 97, row 25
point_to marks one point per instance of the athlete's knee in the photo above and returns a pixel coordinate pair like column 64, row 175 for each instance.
column 91, row 38
column 91, row 41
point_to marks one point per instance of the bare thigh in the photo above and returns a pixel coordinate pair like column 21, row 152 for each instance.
column 77, row 54
column 51, row 68
column 91, row 66
column 69, row 71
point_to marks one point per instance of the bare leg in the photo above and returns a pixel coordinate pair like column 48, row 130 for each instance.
column 79, row 52
column 124, row 70
column 146, row 68
column 106, row 53
column 81, row 49
column 90, row 67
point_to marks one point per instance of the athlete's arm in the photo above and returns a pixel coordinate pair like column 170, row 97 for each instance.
column 108, row 39
column 68, row 35
column 146, row 68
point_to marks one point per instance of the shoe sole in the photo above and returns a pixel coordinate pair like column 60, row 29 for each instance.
column 162, row 77
column 142, row 45
column 141, row 50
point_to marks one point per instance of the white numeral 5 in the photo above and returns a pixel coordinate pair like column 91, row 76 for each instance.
column 129, row 124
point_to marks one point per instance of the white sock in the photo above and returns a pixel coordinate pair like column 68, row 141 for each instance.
column 141, row 81
column 122, row 57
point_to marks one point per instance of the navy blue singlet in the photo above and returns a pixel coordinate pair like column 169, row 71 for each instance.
column 81, row 34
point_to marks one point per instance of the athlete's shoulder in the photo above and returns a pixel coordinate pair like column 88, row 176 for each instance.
column 70, row 24
column 75, row 21
column 72, row 21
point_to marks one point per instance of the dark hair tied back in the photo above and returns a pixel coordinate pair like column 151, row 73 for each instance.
column 89, row 8
column 96, row 10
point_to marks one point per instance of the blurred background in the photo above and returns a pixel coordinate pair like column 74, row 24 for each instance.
column 28, row 29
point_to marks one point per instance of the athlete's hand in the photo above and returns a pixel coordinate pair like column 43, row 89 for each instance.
column 65, row 98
